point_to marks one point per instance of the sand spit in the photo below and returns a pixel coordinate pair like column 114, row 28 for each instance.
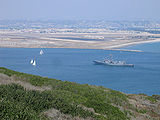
column 133, row 43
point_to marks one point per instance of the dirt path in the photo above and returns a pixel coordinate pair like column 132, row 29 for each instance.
column 5, row 80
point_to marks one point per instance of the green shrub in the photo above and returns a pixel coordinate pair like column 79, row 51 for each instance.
column 67, row 97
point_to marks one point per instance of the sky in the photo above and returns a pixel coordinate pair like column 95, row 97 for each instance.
column 80, row 9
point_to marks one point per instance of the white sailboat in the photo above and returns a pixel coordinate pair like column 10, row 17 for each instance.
column 41, row 52
column 34, row 63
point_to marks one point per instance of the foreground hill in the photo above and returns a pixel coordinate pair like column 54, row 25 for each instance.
column 25, row 96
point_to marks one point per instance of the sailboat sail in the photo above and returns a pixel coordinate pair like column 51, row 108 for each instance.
column 34, row 63
column 41, row 52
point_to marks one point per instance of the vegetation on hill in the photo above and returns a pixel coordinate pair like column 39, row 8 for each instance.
column 70, row 99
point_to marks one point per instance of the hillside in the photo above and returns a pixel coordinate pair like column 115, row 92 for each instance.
column 30, row 97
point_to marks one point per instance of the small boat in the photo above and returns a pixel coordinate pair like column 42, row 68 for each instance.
column 41, row 52
column 34, row 63
column 111, row 62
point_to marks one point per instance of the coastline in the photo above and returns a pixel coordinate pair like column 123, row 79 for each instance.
column 134, row 43
column 111, row 40
column 118, row 47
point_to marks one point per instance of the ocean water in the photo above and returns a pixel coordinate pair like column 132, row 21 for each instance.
column 76, row 65
column 146, row 47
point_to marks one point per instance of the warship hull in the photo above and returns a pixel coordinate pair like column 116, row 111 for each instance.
column 112, row 64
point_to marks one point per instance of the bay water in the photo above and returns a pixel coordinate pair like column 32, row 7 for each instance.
column 76, row 65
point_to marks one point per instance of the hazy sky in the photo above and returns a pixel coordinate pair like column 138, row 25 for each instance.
column 80, row 9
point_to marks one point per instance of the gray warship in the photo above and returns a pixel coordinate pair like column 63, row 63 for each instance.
column 111, row 62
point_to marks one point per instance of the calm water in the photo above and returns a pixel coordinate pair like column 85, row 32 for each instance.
column 76, row 65
column 149, row 47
